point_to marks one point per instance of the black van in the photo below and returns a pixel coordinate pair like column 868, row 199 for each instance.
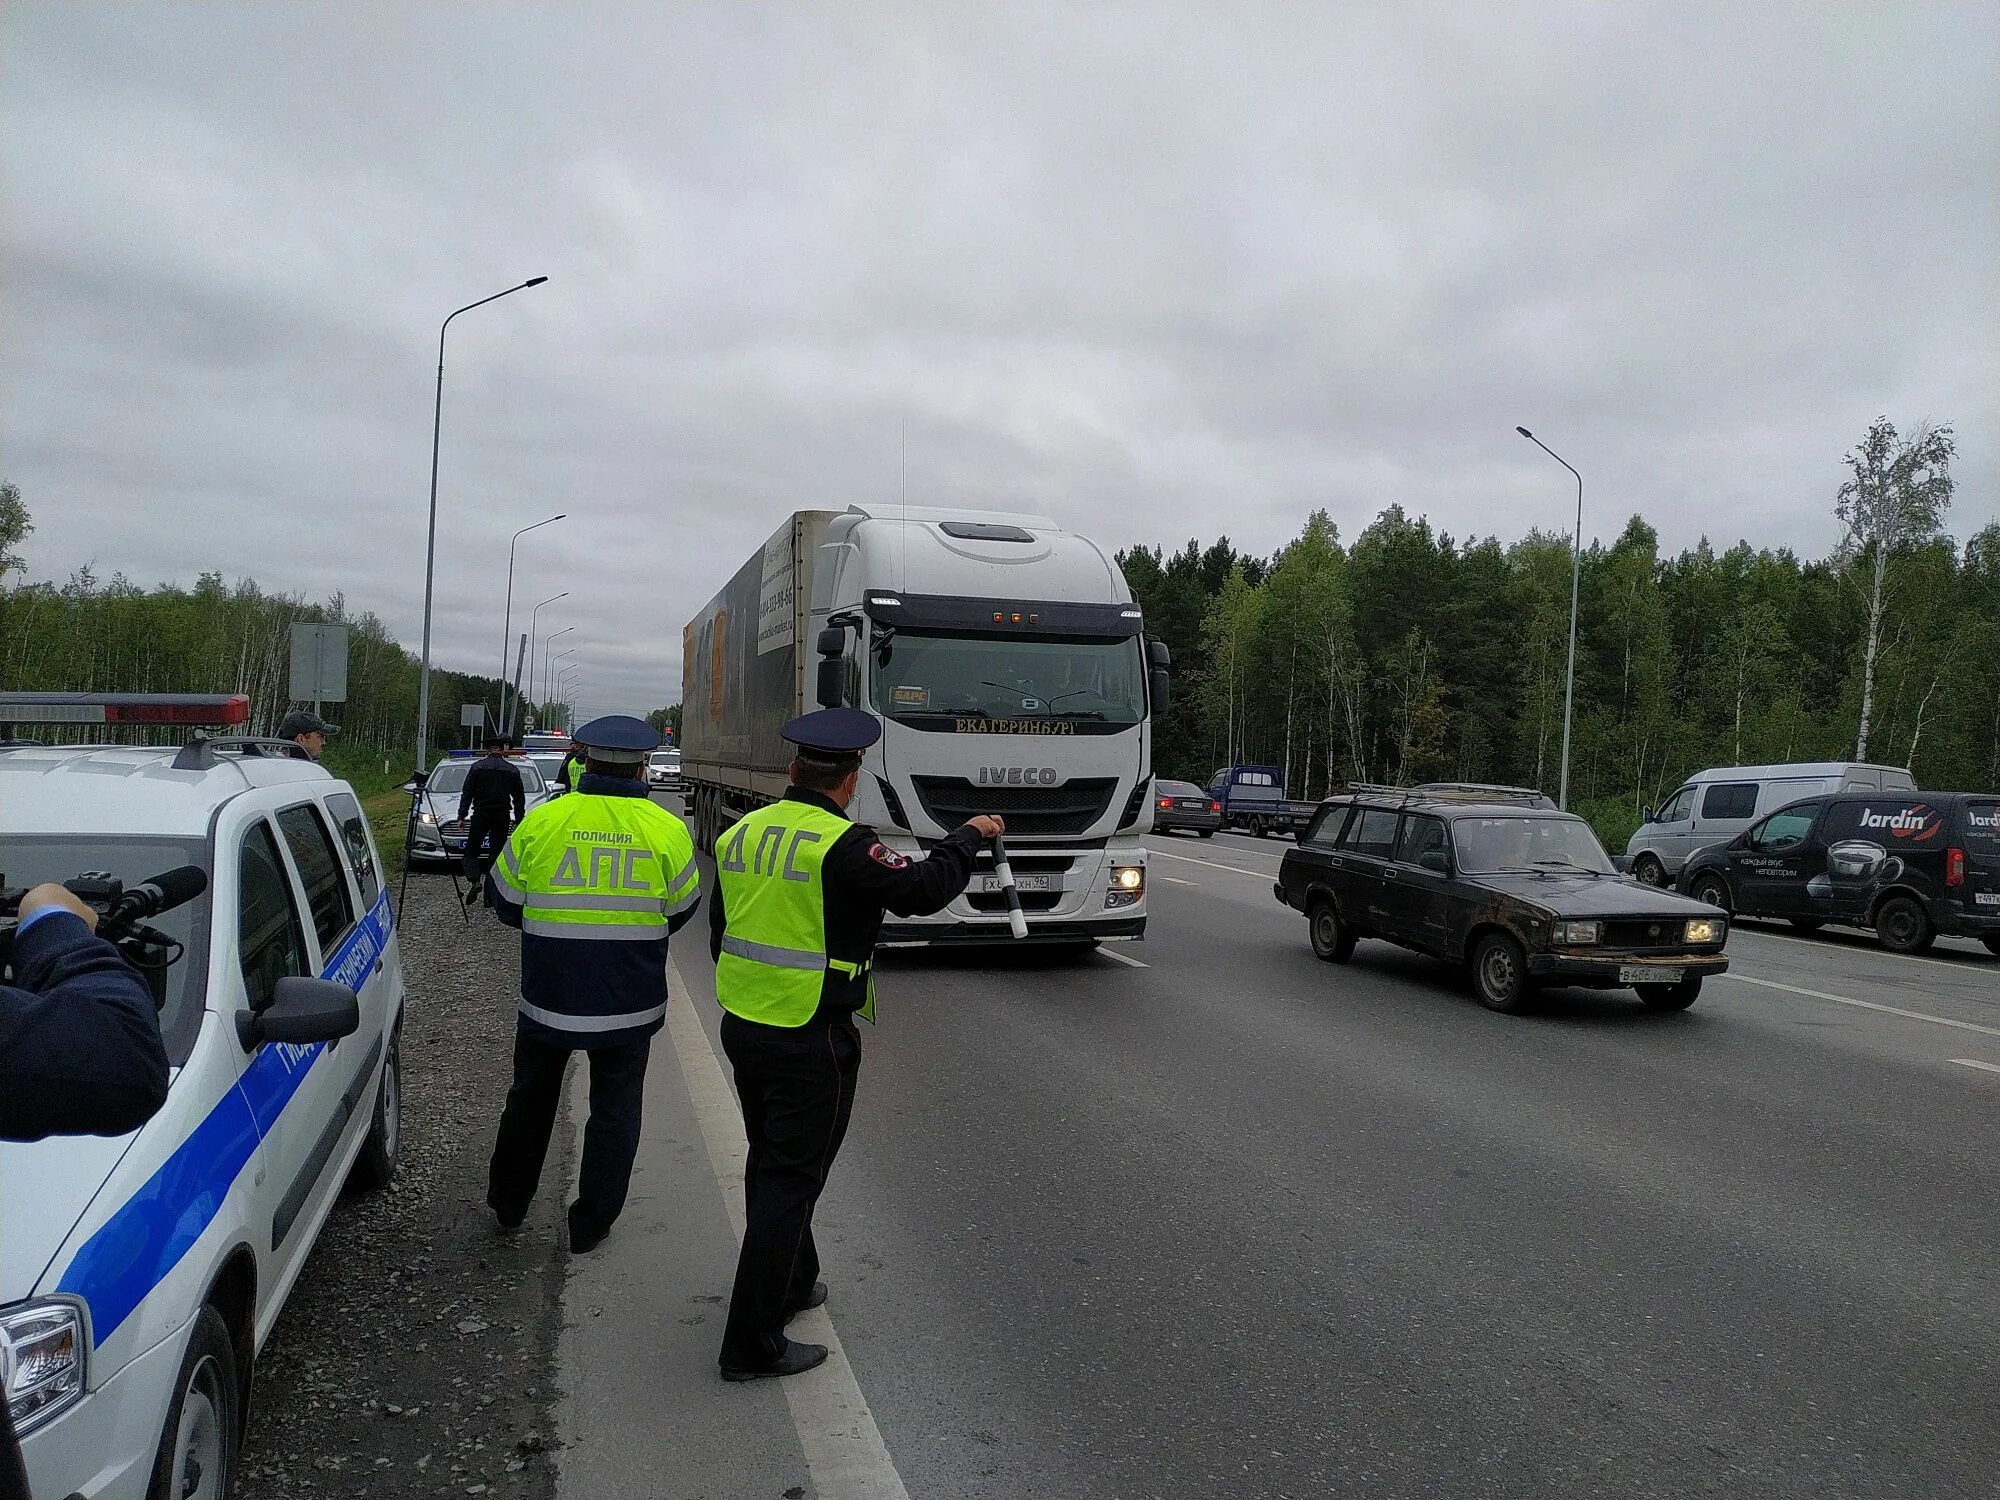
column 1911, row 865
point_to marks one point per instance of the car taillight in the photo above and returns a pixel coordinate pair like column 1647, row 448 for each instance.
column 1166, row 802
column 1954, row 867
column 1215, row 807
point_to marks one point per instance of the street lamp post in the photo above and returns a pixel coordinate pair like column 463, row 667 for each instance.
column 430, row 539
column 533, row 622
column 1575, row 576
column 547, row 681
column 507, row 622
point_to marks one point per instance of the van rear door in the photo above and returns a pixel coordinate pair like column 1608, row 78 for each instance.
column 1979, row 837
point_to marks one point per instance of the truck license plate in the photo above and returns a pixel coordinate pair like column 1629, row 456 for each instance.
column 991, row 883
column 1647, row 974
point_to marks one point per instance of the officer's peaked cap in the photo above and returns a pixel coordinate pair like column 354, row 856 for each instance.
column 833, row 733
column 617, row 739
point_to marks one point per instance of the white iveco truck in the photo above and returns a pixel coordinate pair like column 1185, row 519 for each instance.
column 1010, row 670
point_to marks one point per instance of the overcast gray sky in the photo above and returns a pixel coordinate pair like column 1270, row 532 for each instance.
column 1158, row 271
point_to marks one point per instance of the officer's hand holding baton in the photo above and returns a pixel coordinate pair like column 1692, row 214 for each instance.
column 991, row 827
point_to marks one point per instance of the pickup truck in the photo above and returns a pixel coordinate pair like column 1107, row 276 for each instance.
column 1252, row 798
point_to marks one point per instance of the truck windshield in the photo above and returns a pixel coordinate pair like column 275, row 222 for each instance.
column 921, row 676
column 1488, row 846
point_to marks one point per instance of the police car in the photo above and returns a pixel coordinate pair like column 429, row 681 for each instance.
column 436, row 832
column 139, row 1276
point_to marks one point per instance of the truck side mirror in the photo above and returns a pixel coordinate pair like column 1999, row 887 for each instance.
column 832, row 641
column 1161, row 689
column 1158, row 659
column 1646, row 816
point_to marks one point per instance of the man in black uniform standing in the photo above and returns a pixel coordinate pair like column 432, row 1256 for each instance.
column 800, row 894
column 495, row 802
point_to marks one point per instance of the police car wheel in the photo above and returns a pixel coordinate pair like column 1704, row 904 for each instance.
column 375, row 1167
column 197, row 1457
column 1903, row 925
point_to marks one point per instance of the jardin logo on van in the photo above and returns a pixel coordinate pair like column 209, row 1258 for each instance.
column 1917, row 824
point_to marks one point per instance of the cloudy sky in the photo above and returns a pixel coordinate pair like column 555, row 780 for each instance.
column 1159, row 272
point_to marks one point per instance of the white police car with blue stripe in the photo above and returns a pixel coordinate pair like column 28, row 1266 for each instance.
column 139, row 1276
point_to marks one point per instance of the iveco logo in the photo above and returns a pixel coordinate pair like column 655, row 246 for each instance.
column 1017, row 775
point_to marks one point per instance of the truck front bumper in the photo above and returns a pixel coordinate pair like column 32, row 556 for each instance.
column 1071, row 930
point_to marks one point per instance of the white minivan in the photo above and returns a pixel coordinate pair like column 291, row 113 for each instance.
column 1714, row 806
column 141, row 1274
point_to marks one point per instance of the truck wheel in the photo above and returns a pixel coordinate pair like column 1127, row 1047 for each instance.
column 1649, row 871
column 1903, row 925
column 1712, row 889
column 1676, row 996
column 197, row 1454
column 1500, row 974
column 375, row 1167
column 1332, row 939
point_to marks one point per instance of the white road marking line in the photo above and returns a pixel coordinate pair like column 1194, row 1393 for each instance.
column 1969, row 964
column 1123, row 958
column 1891, row 1010
column 1973, row 1062
column 1176, row 880
column 844, row 1450
column 1162, row 854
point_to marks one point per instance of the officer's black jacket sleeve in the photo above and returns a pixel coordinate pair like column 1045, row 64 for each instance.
column 80, row 1048
column 859, row 863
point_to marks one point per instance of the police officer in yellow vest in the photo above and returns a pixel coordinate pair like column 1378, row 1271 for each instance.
column 595, row 881
column 799, row 897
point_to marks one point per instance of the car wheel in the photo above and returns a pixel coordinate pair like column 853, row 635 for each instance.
column 375, row 1167
column 1207, row 833
column 1712, row 889
column 1807, row 924
column 1676, row 996
column 1500, row 974
column 1332, row 940
column 197, row 1455
column 1649, row 871
column 1903, row 925
column 1992, row 942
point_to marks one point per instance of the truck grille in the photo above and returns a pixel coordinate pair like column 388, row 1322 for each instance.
column 1070, row 808
column 991, row 902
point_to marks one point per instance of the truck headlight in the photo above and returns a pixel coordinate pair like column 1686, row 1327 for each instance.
column 1705, row 930
column 1578, row 934
column 43, row 1350
column 1128, row 886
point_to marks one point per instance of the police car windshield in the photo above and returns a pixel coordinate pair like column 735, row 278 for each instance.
column 920, row 675
column 1490, row 846
column 27, row 861
column 449, row 778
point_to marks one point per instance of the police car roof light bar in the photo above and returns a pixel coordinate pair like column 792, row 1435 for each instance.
column 124, row 708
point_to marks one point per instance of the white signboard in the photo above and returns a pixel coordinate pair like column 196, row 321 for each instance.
column 319, row 664
column 779, row 596
column 472, row 716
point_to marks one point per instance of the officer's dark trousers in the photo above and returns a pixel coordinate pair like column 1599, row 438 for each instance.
column 610, row 1140
column 796, row 1086
column 485, row 833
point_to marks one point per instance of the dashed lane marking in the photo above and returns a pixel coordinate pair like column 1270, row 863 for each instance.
column 1889, row 1010
column 1176, row 880
column 1973, row 1062
column 1190, row 859
column 1123, row 958
column 844, row 1449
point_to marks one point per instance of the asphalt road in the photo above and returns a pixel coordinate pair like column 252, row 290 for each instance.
column 1240, row 1223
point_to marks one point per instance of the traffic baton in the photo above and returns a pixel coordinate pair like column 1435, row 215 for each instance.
column 1005, row 871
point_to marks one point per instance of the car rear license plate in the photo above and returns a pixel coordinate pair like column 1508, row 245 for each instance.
column 1647, row 974
column 1986, row 898
column 991, row 883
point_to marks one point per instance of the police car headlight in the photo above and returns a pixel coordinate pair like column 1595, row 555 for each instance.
column 427, row 818
column 43, row 1350
column 1578, row 934
column 1705, row 930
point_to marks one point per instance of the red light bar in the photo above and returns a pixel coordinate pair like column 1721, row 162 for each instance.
column 124, row 708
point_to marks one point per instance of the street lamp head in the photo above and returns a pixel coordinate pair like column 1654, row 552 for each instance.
column 534, row 281
column 1525, row 433
column 563, row 516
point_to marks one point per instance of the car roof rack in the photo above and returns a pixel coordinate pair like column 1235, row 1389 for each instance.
column 204, row 754
column 1452, row 791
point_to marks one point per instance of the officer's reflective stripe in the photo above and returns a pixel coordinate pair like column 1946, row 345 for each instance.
column 842, row 966
column 687, row 885
column 510, row 859
column 617, row 932
column 770, row 953
column 556, row 1020
column 591, row 901
column 508, row 886
column 686, row 903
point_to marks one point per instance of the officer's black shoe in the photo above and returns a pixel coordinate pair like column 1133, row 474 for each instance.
column 509, row 1222
column 815, row 1298
column 584, row 1240
column 796, row 1360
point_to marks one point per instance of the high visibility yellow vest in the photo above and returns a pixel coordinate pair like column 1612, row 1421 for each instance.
column 601, row 868
column 774, row 960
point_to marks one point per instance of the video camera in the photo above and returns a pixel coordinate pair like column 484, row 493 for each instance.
column 121, row 913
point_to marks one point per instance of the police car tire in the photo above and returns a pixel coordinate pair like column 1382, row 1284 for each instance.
column 208, row 1371
column 375, row 1167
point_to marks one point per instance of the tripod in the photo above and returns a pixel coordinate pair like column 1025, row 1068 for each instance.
column 423, row 792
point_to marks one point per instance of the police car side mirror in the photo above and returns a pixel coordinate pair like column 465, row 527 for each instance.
column 302, row 1010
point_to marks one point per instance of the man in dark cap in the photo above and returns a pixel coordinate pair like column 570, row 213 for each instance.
column 800, row 893
column 596, row 881
column 308, row 731
column 492, row 802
